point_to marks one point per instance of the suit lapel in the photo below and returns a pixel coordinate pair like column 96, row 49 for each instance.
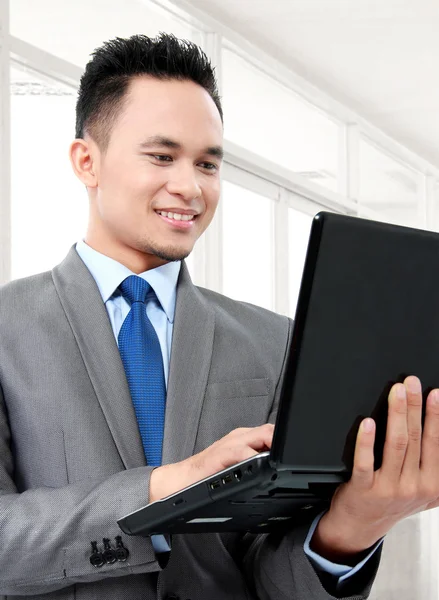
column 192, row 344
column 88, row 318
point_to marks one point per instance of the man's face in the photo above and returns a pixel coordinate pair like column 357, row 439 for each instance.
column 158, row 182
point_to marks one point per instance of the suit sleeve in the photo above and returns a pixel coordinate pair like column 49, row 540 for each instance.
column 46, row 533
column 277, row 568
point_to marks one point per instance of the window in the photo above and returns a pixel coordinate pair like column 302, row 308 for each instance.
column 72, row 30
column 434, row 210
column 267, row 118
column 49, row 204
column 247, row 245
column 299, row 226
column 390, row 188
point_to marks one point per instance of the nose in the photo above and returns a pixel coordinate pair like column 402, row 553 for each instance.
column 183, row 182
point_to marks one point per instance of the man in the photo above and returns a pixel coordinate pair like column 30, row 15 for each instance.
column 78, row 448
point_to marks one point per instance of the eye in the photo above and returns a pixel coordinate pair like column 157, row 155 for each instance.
column 162, row 157
column 209, row 166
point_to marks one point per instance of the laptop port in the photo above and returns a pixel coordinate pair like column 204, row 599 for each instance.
column 237, row 474
column 227, row 479
column 215, row 485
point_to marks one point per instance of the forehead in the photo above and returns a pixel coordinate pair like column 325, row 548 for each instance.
column 177, row 109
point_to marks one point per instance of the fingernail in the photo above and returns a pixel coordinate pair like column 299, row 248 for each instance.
column 367, row 425
column 413, row 385
column 400, row 391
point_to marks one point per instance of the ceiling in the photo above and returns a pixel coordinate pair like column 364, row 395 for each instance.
column 378, row 57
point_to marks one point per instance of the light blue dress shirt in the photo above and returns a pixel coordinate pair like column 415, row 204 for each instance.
column 160, row 309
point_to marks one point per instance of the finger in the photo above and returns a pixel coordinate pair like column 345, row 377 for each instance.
column 246, row 453
column 232, row 456
column 430, row 437
column 414, row 426
column 237, row 446
column 259, row 438
column 254, row 431
column 362, row 472
column 395, row 446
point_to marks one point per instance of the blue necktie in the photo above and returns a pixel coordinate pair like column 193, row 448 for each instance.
column 142, row 359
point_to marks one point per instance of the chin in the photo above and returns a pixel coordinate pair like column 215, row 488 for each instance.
column 171, row 254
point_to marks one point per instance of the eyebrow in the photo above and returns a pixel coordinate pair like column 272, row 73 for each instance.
column 160, row 140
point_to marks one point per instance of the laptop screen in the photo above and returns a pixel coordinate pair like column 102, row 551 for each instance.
column 367, row 316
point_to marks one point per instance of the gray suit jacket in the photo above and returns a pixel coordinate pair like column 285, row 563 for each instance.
column 71, row 458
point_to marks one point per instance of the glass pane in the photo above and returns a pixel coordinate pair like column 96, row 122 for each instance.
column 434, row 216
column 299, row 225
column 72, row 30
column 271, row 120
column 390, row 188
column 49, row 204
column 247, row 246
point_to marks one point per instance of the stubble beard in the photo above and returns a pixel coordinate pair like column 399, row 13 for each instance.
column 169, row 254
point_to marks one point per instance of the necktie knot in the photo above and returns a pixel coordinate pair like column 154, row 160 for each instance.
column 135, row 288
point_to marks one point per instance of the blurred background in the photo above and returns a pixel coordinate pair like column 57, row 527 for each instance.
column 328, row 104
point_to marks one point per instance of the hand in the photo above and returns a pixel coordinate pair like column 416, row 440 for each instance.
column 364, row 509
column 236, row 446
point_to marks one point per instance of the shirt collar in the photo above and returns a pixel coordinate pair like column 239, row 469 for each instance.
column 109, row 274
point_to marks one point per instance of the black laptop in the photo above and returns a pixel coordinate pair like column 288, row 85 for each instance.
column 367, row 316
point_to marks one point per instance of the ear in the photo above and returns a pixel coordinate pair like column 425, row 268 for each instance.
column 83, row 157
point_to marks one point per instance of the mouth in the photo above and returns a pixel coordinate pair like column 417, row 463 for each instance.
column 181, row 220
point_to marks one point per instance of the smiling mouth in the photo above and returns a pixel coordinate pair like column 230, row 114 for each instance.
column 176, row 216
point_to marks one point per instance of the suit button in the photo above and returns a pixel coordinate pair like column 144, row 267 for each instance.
column 97, row 560
column 96, row 557
column 109, row 555
column 122, row 553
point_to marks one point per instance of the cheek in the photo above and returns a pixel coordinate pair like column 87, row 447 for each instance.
column 212, row 195
column 130, row 189
column 130, row 176
column 211, row 202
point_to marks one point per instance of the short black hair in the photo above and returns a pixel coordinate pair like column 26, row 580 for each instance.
column 104, row 84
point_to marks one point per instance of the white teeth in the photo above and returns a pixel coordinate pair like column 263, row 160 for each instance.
column 175, row 216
